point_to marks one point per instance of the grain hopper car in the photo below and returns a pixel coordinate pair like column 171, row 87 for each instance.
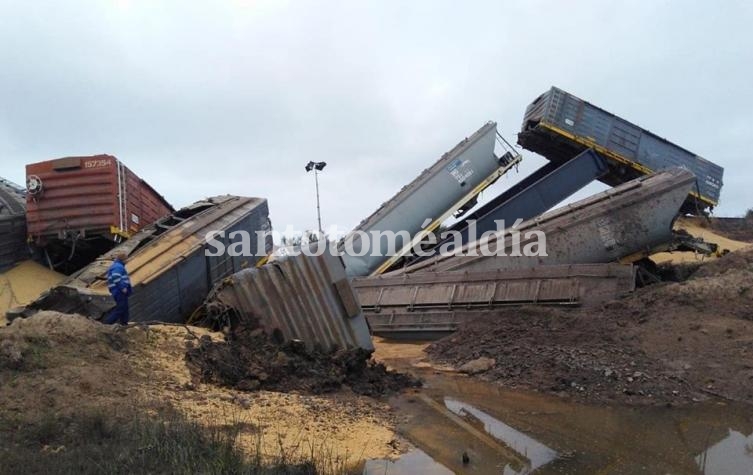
column 450, row 186
column 584, row 143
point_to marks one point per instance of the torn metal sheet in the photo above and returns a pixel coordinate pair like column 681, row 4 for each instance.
column 605, row 227
column 169, row 269
column 427, row 302
column 307, row 298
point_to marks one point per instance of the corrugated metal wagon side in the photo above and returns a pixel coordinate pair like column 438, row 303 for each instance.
column 172, row 294
column 306, row 298
column 88, row 196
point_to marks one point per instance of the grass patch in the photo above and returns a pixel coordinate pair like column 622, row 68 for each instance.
column 95, row 441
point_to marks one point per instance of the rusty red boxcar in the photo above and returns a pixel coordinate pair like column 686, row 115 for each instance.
column 78, row 202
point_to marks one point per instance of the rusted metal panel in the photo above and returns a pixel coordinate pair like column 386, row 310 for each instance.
column 605, row 227
column 301, row 297
column 89, row 196
column 429, row 302
column 169, row 271
column 13, row 246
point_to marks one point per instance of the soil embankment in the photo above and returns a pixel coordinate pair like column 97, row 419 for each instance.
column 59, row 371
column 668, row 343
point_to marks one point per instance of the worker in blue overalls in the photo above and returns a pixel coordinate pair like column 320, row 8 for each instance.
column 120, row 288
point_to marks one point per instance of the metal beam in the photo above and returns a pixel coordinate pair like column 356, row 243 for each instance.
column 535, row 194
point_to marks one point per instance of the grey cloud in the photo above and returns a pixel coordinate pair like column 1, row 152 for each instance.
column 204, row 98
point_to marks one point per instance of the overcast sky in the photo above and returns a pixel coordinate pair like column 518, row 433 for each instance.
column 211, row 97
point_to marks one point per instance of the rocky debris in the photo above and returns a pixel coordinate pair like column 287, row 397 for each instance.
column 667, row 343
column 249, row 360
column 553, row 350
column 479, row 365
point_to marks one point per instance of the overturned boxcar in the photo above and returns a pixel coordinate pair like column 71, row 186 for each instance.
column 449, row 186
column 170, row 271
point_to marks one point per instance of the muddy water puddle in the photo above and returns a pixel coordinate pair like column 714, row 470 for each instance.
column 462, row 425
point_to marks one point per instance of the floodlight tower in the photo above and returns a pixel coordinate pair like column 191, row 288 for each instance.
column 317, row 167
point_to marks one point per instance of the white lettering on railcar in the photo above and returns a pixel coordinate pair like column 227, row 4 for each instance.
column 98, row 163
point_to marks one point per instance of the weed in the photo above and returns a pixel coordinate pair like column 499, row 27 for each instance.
column 96, row 441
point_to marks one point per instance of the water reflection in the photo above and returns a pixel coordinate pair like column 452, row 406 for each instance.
column 415, row 461
column 711, row 437
column 537, row 453
column 733, row 454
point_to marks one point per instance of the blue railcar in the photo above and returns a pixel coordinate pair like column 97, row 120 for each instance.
column 559, row 125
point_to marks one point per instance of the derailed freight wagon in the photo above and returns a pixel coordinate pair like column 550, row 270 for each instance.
column 450, row 186
column 170, row 271
column 622, row 224
column 559, row 126
column 13, row 246
column 80, row 207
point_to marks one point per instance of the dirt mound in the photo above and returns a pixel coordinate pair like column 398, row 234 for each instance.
column 673, row 342
column 57, row 368
column 27, row 343
column 250, row 360
column 548, row 349
column 739, row 262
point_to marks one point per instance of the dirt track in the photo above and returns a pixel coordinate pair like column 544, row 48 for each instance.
column 669, row 343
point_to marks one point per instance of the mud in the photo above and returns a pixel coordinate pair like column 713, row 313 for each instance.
column 249, row 360
column 671, row 343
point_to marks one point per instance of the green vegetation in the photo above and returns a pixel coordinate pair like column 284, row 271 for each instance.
column 94, row 441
